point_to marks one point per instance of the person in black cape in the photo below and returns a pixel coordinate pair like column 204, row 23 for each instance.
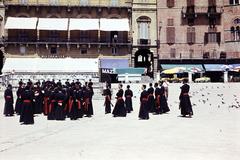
column 52, row 104
column 18, row 105
column 87, row 101
column 46, row 99
column 163, row 100
column 157, row 98
column 185, row 103
column 143, row 111
column 128, row 99
column 151, row 104
column 76, row 109
column 119, row 109
column 108, row 95
column 27, row 115
column 38, row 99
column 60, row 98
column 8, row 96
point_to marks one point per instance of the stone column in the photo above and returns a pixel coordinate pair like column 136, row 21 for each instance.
column 190, row 77
column 225, row 75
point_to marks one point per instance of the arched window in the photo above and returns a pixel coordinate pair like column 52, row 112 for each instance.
column 233, row 2
column 144, row 29
column 237, row 33
column 233, row 34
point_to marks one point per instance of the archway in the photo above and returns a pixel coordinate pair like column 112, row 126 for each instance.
column 144, row 58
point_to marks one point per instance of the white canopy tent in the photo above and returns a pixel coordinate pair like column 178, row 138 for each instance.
column 58, row 65
column 21, row 23
column 58, row 24
column 83, row 24
column 114, row 24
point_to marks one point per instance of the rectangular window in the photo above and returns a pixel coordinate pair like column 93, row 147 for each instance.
column 170, row 35
column 206, row 55
column 23, row 1
column 191, row 35
column 213, row 37
column 170, row 22
column 53, row 2
column 83, row 2
column 114, row 51
column 84, row 51
column 114, row 2
column 233, row 2
column 53, row 50
column 53, row 36
column 143, row 30
column 190, row 2
column 212, row 2
column 22, row 50
column 173, row 53
column 170, row 3
column 84, row 36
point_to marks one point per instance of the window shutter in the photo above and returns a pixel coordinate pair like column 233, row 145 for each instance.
column 170, row 22
column 171, row 35
column 206, row 38
column 219, row 38
column 170, row 3
column 173, row 53
column 190, row 2
column 189, row 41
column 212, row 2
column 193, row 35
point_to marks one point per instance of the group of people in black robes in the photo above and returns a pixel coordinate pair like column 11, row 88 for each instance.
column 122, row 105
column 74, row 100
column 54, row 100
column 153, row 100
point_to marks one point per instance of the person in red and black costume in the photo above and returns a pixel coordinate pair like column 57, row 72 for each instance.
column 119, row 109
column 46, row 99
column 8, row 96
column 18, row 105
column 143, row 112
column 76, row 109
column 163, row 100
column 27, row 115
column 52, row 103
column 151, row 104
column 38, row 99
column 60, row 98
column 87, row 101
column 185, row 103
column 128, row 99
column 69, row 105
column 157, row 98
column 108, row 96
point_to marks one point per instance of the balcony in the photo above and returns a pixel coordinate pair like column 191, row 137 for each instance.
column 60, row 40
column 202, row 11
column 69, row 3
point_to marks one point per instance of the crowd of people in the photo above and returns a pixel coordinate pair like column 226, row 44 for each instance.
column 73, row 100
column 54, row 99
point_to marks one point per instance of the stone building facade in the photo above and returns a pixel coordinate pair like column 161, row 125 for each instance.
column 144, row 33
column 190, row 29
column 67, row 43
column 231, row 24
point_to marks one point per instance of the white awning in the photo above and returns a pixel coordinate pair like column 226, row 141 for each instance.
column 83, row 24
column 114, row 24
column 59, row 24
column 53, row 65
column 21, row 23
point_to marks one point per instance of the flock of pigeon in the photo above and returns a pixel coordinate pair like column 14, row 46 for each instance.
column 215, row 96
